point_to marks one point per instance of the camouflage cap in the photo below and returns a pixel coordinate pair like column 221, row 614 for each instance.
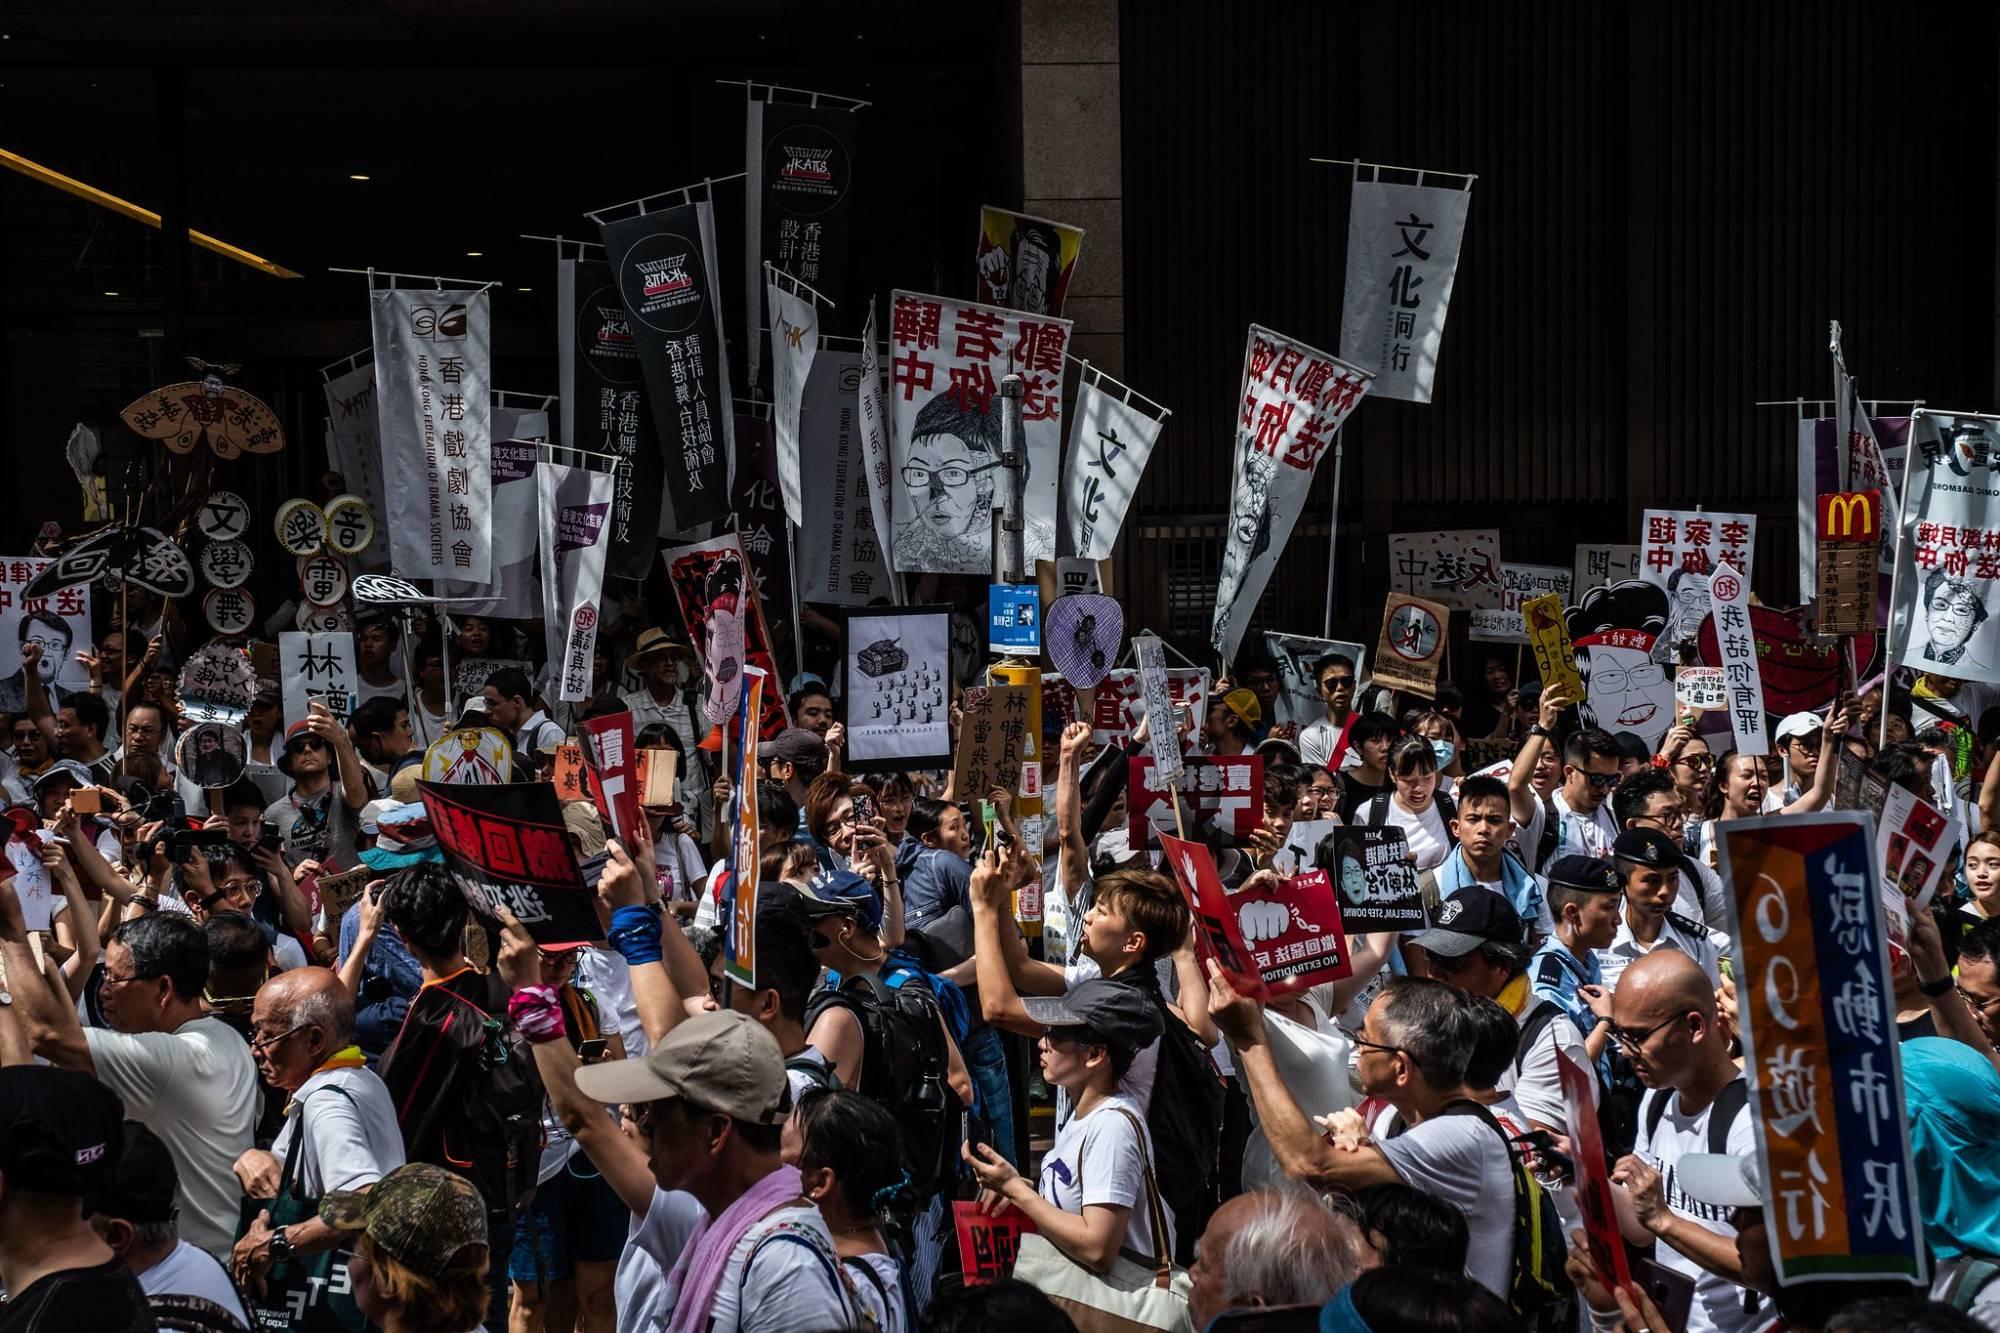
column 420, row 1215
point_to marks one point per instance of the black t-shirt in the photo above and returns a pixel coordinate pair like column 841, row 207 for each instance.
column 103, row 1299
column 1354, row 794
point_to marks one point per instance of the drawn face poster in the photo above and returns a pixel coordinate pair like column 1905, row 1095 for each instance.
column 898, row 697
column 1948, row 586
column 725, row 623
column 1024, row 262
column 1614, row 629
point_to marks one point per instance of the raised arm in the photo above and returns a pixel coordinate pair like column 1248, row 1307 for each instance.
column 1521, row 779
column 367, row 925
column 34, row 695
column 353, row 784
column 85, row 943
column 47, row 1018
column 1000, row 954
column 668, row 981
column 1069, row 809
column 1821, row 790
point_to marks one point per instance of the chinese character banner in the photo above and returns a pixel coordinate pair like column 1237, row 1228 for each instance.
column 1108, row 450
column 1460, row 570
column 1678, row 550
column 603, row 407
column 760, row 511
column 1948, row 565
column 799, row 197
column 1402, row 254
column 663, row 265
column 354, row 446
column 846, row 565
column 577, row 505
column 1518, row 584
column 794, row 344
column 1294, row 399
column 434, row 383
column 946, row 361
column 518, row 435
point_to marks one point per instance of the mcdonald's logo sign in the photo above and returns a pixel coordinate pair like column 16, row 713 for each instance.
column 1850, row 516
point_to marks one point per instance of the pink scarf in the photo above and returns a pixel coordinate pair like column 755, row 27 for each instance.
column 699, row 1269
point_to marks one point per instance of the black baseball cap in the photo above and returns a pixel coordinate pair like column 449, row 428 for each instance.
column 1589, row 874
column 1473, row 916
column 1650, row 847
column 1110, row 1013
column 143, row 1181
column 60, row 1131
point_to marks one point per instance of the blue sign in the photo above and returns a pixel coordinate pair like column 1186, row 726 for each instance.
column 1015, row 619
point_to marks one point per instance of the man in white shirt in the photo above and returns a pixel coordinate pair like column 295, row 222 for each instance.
column 1319, row 740
column 510, row 704
column 1590, row 770
column 135, row 1216
column 1663, row 1019
column 340, row 1127
column 659, row 659
column 181, row 1071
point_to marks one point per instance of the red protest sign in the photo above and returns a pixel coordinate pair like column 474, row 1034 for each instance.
column 987, row 1246
column 1225, row 792
column 569, row 773
column 1292, row 929
column 1593, row 1183
column 1217, row 933
column 612, row 767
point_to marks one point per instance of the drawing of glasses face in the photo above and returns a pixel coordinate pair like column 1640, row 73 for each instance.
column 952, row 475
column 1614, row 679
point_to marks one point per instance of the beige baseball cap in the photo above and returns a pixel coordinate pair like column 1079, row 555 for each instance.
column 720, row 1061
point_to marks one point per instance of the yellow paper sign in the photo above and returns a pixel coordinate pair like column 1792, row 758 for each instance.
column 1548, row 635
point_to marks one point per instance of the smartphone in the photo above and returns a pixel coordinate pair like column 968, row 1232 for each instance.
column 593, row 1050
column 1672, row 1292
column 87, row 801
column 978, row 1132
column 268, row 835
column 864, row 808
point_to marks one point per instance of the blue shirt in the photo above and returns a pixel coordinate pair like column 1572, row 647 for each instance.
column 391, row 978
column 1555, row 974
column 936, row 882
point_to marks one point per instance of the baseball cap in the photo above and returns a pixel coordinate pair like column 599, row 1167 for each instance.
column 793, row 744
column 1244, row 704
column 840, row 893
column 721, row 1061
column 292, row 733
column 142, row 1183
column 1721, row 1180
column 60, row 1131
column 420, row 1215
column 1591, row 874
column 62, row 768
column 1469, row 918
column 1650, row 847
column 1116, row 1013
column 1799, row 724
column 402, row 832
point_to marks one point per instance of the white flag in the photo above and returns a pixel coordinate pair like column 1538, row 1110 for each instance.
column 874, row 433
column 433, row 380
column 575, row 505
column 1108, row 449
column 794, row 343
column 1402, row 254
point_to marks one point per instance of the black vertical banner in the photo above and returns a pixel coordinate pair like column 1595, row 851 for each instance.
column 662, row 266
column 603, row 409
column 802, row 179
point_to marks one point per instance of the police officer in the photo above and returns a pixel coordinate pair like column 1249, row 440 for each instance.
column 1650, row 864
column 1583, row 898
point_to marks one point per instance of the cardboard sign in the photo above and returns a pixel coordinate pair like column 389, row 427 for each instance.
column 1293, row 931
column 987, row 1246
column 1729, row 593
column 1849, row 542
column 1301, row 844
column 1548, row 637
column 470, row 756
column 1014, row 618
column 611, row 766
column 1460, row 570
column 507, row 846
column 1518, row 583
column 1156, row 702
column 569, row 773
column 1216, row 932
column 659, row 770
column 1411, row 648
column 318, row 668
column 1599, row 563
column 1699, row 689
column 1593, row 1182
column 993, row 740
column 897, row 704
column 336, row 893
column 1225, row 793
column 1071, row 574
column 1377, row 884
column 1916, row 842
column 1818, row 1020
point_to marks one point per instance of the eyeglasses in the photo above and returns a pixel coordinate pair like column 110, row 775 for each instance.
column 1603, row 781
column 110, row 980
column 951, row 474
column 1354, row 1036
column 1665, row 818
column 1632, row 1041
column 1983, row 1008
column 246, row 887
column 1612, row 679
column 260, row 1044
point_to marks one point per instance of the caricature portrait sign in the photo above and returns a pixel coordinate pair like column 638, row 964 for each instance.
column 1948, row 580
column 1614, row 629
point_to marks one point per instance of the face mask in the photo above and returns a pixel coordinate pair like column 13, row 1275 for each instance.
column 1444, row 750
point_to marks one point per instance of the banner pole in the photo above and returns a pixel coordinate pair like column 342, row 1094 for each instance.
column 792, row 558
column 1333, row 528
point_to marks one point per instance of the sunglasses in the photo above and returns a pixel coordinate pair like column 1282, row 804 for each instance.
column 307, row 743
column 1603, row 781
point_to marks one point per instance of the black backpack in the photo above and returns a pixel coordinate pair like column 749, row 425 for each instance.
column 1376, row 812
column 1537, row 1289
column 1722, row 1113
column 1184, row 1116
column 905, row 1065
column 1552, row 832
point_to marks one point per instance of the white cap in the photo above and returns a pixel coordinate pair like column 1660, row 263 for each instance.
column 1799, row 724
column 1721, row 1180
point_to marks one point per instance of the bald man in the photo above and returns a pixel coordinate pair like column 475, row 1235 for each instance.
column 1273, row 1247
column 1663, row 1019
column 340, row 1127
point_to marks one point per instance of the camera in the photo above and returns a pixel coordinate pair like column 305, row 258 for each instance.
column 180, row 844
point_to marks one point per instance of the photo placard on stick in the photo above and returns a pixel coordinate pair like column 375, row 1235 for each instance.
column 897, row 705
column 1377, row 883
column 1411, row 648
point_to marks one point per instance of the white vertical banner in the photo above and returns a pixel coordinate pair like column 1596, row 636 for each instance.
column 873, row 428
column 847, row 565
column 433, row 377
column 753, row 234
column 353, row 442
column 1158, row 704
column 1729, row 593
column 1108, row 449
column 1293, row 400
column 794, row 344
column 1402, row 255
column 318, row 668
column 518, row 436
column 575, row 505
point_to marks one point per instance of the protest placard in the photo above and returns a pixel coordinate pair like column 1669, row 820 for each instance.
column 1014, row 620
column 1411, row 649
column 1518, row 583
column 897, row 704
column 506, row 846
column 1301, row 843
column 1292, row 927
column 568, row 779
column 1224, row 793
column 1916, row 845
column 1599, row 563
column 1818, row 1022
column 1119, row 704
column 658, row 771
column 1216, row 932
column 1593, row 1178
column 1548, row 637
column 57, row 623
column 1729, row 592
column 992, row 739
column 318, row 667
column 987, row 1245
column 739, row 950
column 1947, row 584
column 1700, row 689
column 1460, row 570
column 470, row 756
column 611, row 765
column 1158, row 705
column 1299, row 699
column 1849, row 537
column 1694, row 540
column 1377, row 882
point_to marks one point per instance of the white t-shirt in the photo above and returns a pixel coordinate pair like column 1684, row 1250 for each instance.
column 187, row 1271
column 639, row 1286
column 890, row 1316
column 803, row 1082
column 606, row 975
column 1100, row 1158
column 1429, row 839
column 395, row 689
column 1316, row 742
column 790, row 1284
column 1463, row 1161
column 1538, row 1086
column 1718, row 1303
column 196, row 1087
column 1985, row 1305
column 348, row 1140
column 1582, row 835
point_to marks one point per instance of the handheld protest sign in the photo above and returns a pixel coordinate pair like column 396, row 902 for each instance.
column 1459, row 570
column 1081, row 634
column 1411, row 647
column 1292, row 928
column 658, row 771
column 1800, row 672
column 55, row 623
column 1593, row 1182
column 1223, row 792
column 141, row 557
column 33, row 886
column 350, row 525
column 1916, row 842
column 1216, row 932
column 323, row 619
column 739, row 940
column 1297, row 685
column 1850, row 539
column 301, row 527
column 1699, row 690
column 1729, row 592
column 1028, row 788
column 1518, row 583
column 322, row 578
column 229, row 611
column 992, row 734
column 1157, row 707
column 1548, row 636
column 1014, row 618
column 724, row 616
column 611, row 765
column 211, row 754
column 507, row 846
column 223, row 517
column 897, row 705
column 232, row 421
column 1817, row 1014
column 226, row 564
column 318, row 668
column 216, row 684
column 987, row 1245
column 470, row 756
column 568, row 776
column 1377, row 884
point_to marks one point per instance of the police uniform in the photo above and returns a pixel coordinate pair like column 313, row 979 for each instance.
column 1556, row 973
column 1653, row 849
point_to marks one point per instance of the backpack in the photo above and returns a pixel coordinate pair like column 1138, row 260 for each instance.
column 1184, row 1116
column 468, row 1096
column 1376, row 813
column 1722, row 1112
column 1537, row 1289
column 817, row 1072
column 1544, row 1013
column 1552, row 832
column 905, row 1066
